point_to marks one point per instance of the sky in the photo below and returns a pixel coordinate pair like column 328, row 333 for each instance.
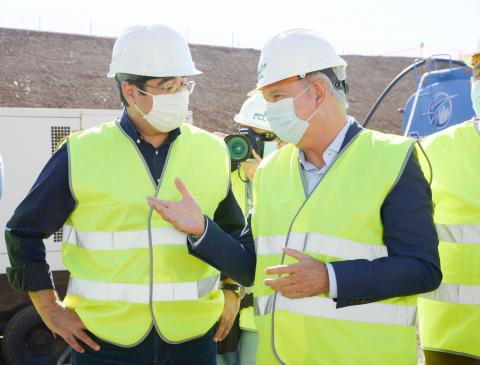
column 366, row 27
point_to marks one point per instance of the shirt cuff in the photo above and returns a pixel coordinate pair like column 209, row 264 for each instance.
column 195, row 240
column 31, row 277
column 332, row 279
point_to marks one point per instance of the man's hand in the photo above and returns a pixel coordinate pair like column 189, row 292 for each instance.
column 306, row 278
column 231, row 306
column 61, row 320
column 185, row 215
column 251, row 167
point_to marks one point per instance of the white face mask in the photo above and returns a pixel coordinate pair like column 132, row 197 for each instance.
column 476, row 97
column 168, row 110
column 284, row 122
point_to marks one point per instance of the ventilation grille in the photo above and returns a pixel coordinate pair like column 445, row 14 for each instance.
column 57, row 136
column 57, row 236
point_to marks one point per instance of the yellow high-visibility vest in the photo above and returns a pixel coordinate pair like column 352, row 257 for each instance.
column 449, row 317
column 340, row 220
column 130, row 269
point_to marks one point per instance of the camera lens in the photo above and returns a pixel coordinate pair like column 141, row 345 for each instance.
column 239, row 147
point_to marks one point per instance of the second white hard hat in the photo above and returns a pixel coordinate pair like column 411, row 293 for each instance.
column 253, row 113
column 152, row 50
column 294, row 53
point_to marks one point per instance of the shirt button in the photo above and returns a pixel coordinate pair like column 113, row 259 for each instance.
column 156, row 152
column 138, row 141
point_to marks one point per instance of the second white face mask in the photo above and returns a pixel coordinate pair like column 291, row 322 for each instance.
column 168, row 110
column 284, row 122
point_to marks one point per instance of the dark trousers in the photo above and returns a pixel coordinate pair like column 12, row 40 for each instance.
column 151, row 351
column 444, row 358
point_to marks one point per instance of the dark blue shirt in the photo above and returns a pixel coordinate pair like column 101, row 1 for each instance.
column 50, row 202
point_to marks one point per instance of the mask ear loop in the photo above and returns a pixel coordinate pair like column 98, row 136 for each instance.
column 136, row 106
column 296, row 97
column 138, row 110
column 144, row 92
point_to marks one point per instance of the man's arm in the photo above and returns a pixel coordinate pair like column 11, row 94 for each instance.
column 233, row 257
column 227, row 243
column 43, row 212
column 232, row 254
column 413, row 264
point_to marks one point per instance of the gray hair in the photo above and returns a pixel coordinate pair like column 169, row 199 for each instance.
column 339, row 94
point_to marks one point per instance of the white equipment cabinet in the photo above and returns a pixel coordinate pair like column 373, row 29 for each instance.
column 28, row 138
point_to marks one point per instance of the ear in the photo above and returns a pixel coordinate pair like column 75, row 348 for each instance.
column 129, row 92
column 321, row 91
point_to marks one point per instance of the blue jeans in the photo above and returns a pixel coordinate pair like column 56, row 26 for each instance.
column 151, row 351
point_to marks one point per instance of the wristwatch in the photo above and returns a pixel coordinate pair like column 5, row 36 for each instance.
column 236, row 288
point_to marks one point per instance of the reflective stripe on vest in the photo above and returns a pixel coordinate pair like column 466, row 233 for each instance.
column 464, row 233
column 139, row 293
column 321, row 244
column 122, row 240
column 402, row 315
column 456, row 293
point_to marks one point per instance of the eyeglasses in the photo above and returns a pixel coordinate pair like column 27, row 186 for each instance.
column 175, row 88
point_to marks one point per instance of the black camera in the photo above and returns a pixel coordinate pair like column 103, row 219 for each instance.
column 240, row 145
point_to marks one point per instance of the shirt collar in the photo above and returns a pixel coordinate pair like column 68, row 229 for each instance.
column 132, row 131
column 330, row 153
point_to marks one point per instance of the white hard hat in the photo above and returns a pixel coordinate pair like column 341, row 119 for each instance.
column 253, row 113
column 469, row 56
column 296, row 52
column 152, row 50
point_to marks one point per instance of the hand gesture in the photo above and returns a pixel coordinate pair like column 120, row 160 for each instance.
column 306, row 278
column 185, row 215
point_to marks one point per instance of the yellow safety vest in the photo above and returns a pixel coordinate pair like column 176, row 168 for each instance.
column 129, row 268
column 340, row 220
column 449, row 317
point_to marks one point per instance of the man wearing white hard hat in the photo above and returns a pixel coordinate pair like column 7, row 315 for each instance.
column 135, row 295
column 342, row 222
column 449, row 317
